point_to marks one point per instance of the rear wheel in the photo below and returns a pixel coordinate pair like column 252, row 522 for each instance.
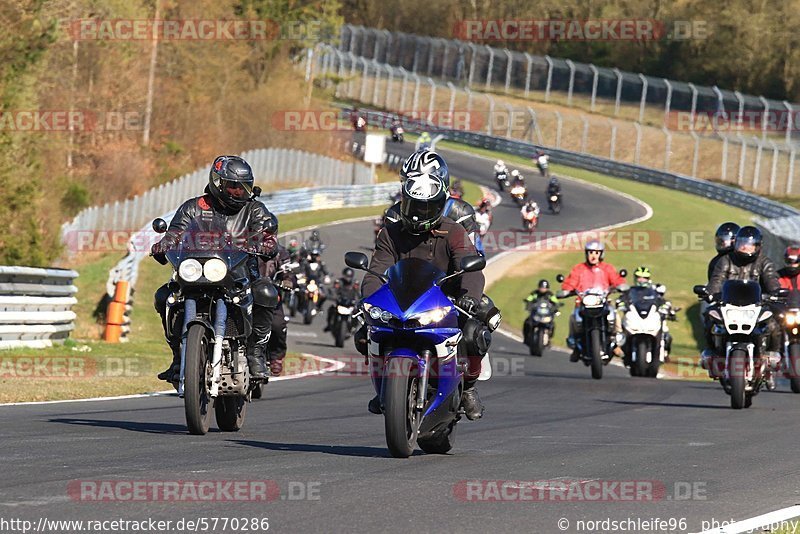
column 794, row 367
column 595, row 346
column 196, row 400
column 400, row 418
column 737, row 369
column 230, row 413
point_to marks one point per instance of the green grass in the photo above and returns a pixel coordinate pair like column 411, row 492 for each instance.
column 676, row 243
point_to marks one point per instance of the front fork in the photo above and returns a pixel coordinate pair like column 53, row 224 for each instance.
column 189, row 313
column 221, row 317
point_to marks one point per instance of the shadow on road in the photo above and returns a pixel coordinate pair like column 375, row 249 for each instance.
column 135, row 426
column 669, row 404
column 338, row 450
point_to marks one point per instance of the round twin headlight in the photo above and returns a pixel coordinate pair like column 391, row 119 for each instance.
column 190, row 270
column 215, row 270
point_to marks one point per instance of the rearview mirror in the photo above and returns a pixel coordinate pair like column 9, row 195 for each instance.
column 700, row 290
column 473, row 263
column 560, row 278
column 356, row 260
column 623, row 273
column 159, row 225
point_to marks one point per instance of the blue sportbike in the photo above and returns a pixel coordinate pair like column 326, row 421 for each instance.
column 413, row 338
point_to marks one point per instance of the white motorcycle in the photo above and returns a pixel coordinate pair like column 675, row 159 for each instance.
column 644, row 326
column 543, row 162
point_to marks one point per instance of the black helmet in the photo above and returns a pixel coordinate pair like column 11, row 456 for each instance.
column 230, row 181
column 748, row 242
column 724, row 237
column 347, row 275
column 543, row 284
column 422, row 201
column 425, row 161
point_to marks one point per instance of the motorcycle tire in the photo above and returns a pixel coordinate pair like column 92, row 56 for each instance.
column 737, row 362
column 401, row 420
column 230, row 412
column 340, row 332
column 642, row 348
column 595, row 348
column 794, row 367
column 197, row 401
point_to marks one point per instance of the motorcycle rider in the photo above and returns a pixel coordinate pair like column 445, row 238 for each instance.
column 228, row 202
column 457, row 190
column 314, row 241
column 424, row 232
column 500, row 167
column 553, row 187
column 426, row 161
column 424, row 141
column 723, row 243
column 318, row 274
column 541, row 293
column 529, row 207
column 788, row 275
column 346, row 287
column 517, row 179
column 746, row 262
column 593, row 272
column 643, row 278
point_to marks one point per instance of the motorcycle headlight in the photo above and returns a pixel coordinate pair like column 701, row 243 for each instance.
column 344, row 310
column 190, row 270
column 553, row 198
column 215, row 270
column 312, row 286
column 739, row 316
column 433, row 316
column 592, row 301
column 792, row 319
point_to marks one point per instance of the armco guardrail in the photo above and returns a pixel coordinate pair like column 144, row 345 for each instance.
column 270, row 165
column 723, row 193
column 36, row 306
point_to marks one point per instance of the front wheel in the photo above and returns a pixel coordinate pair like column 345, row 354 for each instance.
column 230, row 413
column 794, row 367
column 308, row 314
column 340, row 332
column 642, row 348
column 737, row 369
column 197, row 401
column 595, row 346
column 400, row 417
column 537, row 342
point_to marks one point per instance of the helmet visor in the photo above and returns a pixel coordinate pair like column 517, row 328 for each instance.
column 237, row 190
column 746, row 245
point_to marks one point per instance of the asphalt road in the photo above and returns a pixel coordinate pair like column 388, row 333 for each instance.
column 546, row 423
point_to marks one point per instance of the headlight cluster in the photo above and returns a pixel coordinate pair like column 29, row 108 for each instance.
column 433, row 316
column 191, row 270
column 793, row 318
column 592, row 301
column 377, row 314
column 738, row 316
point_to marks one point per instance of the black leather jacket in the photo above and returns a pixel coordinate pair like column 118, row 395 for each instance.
column 730, row 267
column 444, row 247
column 252, row 226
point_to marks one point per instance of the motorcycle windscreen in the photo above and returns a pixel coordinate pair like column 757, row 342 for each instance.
column 410, row 278
column 643, row 297
column 741, row 293
column 204, row 239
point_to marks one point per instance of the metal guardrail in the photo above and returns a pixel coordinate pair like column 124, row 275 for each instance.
column 36, row 306
column 271, row 165
column 290, row 201
column 715, row 191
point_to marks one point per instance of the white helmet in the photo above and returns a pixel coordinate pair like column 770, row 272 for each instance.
column 515, row 173
column 500, row 163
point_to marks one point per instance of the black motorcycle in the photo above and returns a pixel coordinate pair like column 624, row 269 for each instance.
column 595, row 335
column 344, row 321
column 502, row 180
column 211, row 308
column 554, row 203
column 540, row 325
column 397, row 133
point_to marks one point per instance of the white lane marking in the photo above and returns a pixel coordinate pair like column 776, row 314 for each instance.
column 290, row 333
column 778, row 517
column 333, row 366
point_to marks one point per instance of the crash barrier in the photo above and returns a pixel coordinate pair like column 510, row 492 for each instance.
column 270, row 165
column 36, row 306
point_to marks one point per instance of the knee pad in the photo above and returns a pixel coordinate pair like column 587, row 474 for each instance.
column 265, row 293
column 477, row 338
